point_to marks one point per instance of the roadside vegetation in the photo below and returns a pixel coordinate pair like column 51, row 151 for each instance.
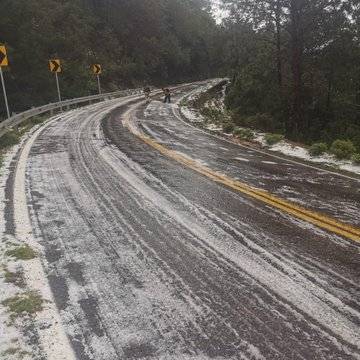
column 13, row 136
column 17, row 301
column 9, row 139
column 14, row 353
column 343, row 149
column 305, row 87
column 28, row 303
column 356, row 159
column 244, row 134
column 22, row 252
column 318, row 149
column 228, row 128
column 216, row 117
column 14, row 277
column 272, row 139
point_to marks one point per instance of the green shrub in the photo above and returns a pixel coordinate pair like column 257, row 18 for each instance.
column 318, row 149
column 356, row 159
column 264, row 122
column 29, row 123
column 27, row 304
column 23, row 252
column 228, row 128
column 212, row 114
column 16, row 278
column 272, row 139
column 37, row 120
column 244, row 134
column 15, row 351
column 342, row 149
column 9, row 139
column 13, row 136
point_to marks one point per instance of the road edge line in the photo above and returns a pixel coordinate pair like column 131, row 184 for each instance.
column 179, row 116
column 322, row 221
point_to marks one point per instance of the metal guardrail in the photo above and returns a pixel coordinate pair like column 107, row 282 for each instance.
column 17, row 119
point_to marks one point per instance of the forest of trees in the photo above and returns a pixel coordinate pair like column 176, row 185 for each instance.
column 294, row 65
column 138, row 42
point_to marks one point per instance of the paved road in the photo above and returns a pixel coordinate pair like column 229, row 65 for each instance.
column 148, row 259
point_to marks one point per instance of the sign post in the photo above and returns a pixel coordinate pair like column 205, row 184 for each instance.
column 55, row 67
column 4, row 62
column 96, row 68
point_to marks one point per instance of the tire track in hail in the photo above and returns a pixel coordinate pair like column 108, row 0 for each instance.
column 88, row 175
column 103, row 184
column 117, row 201
column 92, row 171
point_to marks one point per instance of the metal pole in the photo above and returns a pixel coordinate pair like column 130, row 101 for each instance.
column 58, row 89
column 99, row 86
column 4, row 90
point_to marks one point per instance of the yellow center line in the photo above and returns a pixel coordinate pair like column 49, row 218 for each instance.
column 315, row 218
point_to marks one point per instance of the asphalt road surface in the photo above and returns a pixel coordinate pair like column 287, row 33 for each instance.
column 148, row 259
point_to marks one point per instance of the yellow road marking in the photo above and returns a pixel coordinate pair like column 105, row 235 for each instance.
column 320, row 220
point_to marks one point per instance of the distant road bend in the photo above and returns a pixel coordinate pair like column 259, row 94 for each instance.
column 157, row 247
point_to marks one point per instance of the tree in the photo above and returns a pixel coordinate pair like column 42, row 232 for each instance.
column 313, row 45
column 137, row 42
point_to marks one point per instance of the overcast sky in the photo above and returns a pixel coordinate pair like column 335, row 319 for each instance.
column 218, row 13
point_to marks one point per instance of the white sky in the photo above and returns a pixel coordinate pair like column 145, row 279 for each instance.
column 218, row 13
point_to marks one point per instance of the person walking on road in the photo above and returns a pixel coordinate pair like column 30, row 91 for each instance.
column 167, row 95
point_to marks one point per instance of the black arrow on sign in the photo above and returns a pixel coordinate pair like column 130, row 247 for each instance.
column 2, row 57
column 97, row 69
column 55, row 65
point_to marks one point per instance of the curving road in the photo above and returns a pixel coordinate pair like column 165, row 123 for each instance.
column 148, row 259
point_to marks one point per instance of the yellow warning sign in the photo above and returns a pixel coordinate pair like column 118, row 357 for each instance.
column 96, row 68
column 55, row 65
column 3, row 56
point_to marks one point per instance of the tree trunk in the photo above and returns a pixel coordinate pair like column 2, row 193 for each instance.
column 357, row 94
column 328, row 99
column 296, row 127
column 278, row 43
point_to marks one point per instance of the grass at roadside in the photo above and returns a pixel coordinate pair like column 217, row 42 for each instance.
column 13, row 136
column 14, row 353
column 262, row 131
column 23, row 252
column 14, row 277
column 25, row 304
column 9, row 139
